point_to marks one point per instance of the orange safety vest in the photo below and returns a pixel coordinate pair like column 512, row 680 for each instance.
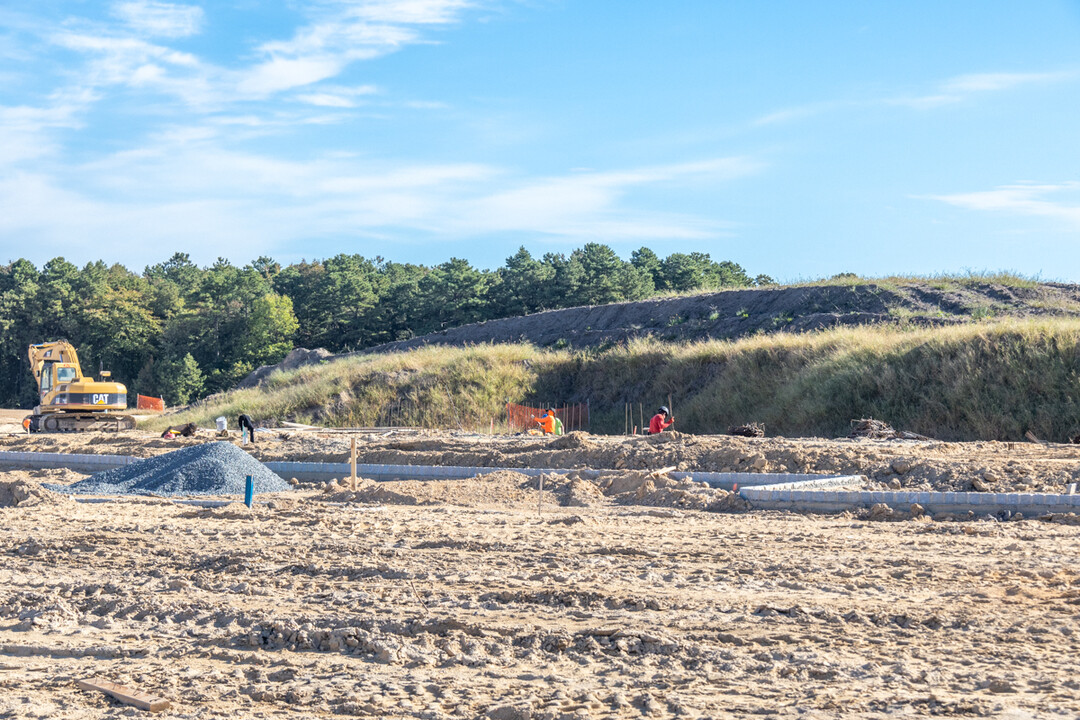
column 547, row 423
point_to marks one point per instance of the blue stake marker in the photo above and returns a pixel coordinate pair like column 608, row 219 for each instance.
column 249, row 491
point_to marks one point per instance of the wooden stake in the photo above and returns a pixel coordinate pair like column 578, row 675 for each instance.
column 125, row 695
column 352, row 463
column 540, row 498
column 662, row 471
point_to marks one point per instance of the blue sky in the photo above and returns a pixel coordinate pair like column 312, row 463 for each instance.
column 798, row 139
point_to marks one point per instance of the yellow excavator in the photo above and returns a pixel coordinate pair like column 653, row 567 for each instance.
column 69, row 401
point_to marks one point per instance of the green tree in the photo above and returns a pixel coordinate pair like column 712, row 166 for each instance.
column 647, row 261
column 180, row 381
column 453, row 295
column 520, row 289
column 599, row 280
column 567, row 276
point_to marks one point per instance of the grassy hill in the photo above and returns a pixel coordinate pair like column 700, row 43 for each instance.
column 985, row 378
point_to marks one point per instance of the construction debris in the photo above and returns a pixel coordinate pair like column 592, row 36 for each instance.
column 753, row 429
column 878, row 430
column 125, row 695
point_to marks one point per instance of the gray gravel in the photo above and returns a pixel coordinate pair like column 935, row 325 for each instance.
column 218, row 468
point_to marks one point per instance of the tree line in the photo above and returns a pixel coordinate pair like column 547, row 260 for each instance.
column 183, row 332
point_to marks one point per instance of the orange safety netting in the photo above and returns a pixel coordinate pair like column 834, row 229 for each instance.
column 573, row 417
column 150, row 403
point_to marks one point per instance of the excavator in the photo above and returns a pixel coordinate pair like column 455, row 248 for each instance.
column 70, row 401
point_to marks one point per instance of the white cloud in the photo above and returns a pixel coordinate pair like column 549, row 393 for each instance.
column 25, row 132
column 589, row 203
column 962, row 87
column 1057, row 201
column 188, row 191
column 796, row 113
column 160, row 18
column 419, row 12
column 326, row 100
column 339, row 97
column 988, row 82
column 281, row 74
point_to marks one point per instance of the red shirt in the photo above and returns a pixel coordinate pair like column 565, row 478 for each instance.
column 657, row 424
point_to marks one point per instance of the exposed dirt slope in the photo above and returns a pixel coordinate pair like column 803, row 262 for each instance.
column 737, row 313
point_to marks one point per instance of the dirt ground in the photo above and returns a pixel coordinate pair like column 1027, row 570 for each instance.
column 899, row 464
column 464, row 599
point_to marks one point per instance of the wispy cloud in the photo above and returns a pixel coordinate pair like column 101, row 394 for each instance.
column 26, row 133
column 799, row 112
column 336, row 34
column 188, row 191
column 947, row 92
column 414, row 12
column 341, row 33
column 283, row 74
column 337, row 97
column 1059, row 201
column 963, row 87
column 160, row 19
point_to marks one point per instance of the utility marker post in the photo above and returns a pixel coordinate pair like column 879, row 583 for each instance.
column 352, row 463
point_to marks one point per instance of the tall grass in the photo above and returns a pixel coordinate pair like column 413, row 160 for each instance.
column 990, row 380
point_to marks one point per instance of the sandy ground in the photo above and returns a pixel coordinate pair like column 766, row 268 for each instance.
column 460, row 599
column 900, row 464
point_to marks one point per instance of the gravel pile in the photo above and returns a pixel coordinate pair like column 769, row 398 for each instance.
column 218, row 468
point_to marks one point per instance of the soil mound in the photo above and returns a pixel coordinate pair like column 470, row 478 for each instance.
column 572, row 441
column 218, row 468
column 298, row 357
column 23, row 493
column 506, row 488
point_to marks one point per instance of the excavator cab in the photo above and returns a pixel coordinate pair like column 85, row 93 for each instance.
column 54, row 373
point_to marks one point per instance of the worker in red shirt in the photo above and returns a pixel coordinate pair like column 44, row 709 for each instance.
column 661, row 421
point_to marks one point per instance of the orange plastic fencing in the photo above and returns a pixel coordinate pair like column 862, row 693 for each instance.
column 574, row 417
column 151, row 403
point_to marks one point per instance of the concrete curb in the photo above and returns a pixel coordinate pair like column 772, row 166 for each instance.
column 775, row 498
column 763, row 491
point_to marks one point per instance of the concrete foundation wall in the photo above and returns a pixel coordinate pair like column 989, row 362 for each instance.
column 763, row 491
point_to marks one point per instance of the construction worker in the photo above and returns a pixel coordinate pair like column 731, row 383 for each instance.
column 246, row 426
column 661, row 421
column 547, row 421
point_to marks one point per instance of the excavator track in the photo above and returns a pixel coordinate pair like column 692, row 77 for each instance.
column 81, row 422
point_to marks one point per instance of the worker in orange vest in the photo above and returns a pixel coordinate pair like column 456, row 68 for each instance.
column 547, row 421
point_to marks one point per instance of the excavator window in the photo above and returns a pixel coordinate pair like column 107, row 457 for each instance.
column 46, row 376
column 65, row 374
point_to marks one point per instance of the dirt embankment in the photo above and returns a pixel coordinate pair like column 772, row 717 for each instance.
column 733, row 314
column 738, row 313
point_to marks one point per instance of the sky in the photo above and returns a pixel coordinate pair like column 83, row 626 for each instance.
column 797, row 139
